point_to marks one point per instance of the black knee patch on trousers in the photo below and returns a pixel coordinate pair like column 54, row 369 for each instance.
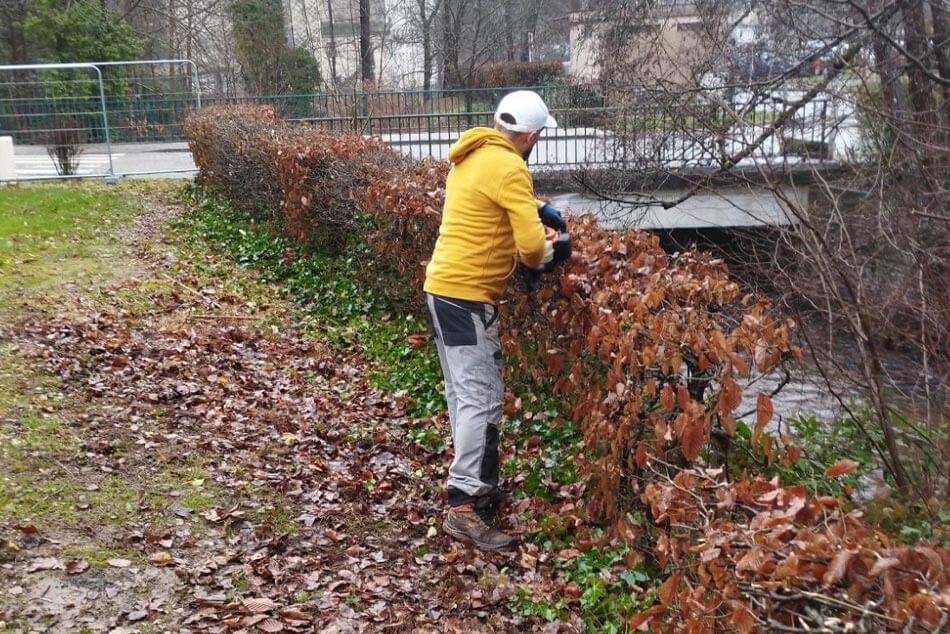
column 489, row 467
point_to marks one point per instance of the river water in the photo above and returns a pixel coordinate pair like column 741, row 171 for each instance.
column 805, row 393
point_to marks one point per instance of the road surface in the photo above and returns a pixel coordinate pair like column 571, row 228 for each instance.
column 167, row 159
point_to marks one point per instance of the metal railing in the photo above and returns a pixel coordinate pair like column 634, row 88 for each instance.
column 71, row 106
column 645, row 130
column 128, row 102
column 425, row 123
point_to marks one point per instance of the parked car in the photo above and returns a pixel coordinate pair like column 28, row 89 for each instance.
column 755, row 65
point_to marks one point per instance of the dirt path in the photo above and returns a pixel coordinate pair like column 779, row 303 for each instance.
column 178, row 456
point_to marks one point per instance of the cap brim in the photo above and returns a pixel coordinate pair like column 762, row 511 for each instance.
column 550, row 123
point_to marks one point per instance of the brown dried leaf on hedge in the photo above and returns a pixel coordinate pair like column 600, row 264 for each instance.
column 628, row 314
column 782, row 553
column 299, row 176
column 318, row 173
column 646, row 349
column 406, row 204
column 234, row 149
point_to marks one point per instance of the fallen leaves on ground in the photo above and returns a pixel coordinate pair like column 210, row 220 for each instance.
column 324, row 516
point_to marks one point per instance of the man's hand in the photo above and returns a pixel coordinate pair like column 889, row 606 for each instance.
column 557, row 246
column 551, row 217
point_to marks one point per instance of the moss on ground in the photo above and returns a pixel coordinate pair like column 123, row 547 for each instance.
column 36, row 486
column 98, row 556
column 189, row 485
column 22, row 387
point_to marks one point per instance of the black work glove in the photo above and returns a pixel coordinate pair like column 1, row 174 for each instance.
column 551, row 217
column 562, row 251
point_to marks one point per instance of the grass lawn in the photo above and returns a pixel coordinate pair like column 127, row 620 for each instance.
column 52, row 235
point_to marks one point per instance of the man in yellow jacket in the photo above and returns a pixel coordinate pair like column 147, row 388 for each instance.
column 490, row 220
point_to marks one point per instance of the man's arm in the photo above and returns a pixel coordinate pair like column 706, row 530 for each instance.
column 516, row 196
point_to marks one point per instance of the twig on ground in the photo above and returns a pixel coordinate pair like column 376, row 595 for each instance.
column 799, row 595
column 191, row 290
column 217, row 317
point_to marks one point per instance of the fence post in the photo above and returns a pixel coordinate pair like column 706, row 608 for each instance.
column 105, row 119
column 194, row 78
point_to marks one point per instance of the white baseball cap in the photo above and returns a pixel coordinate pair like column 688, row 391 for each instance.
column 527, row 109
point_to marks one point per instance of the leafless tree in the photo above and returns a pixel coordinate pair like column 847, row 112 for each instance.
column 735, row 89
column 420, row 29
column 475, row 33
column 191, row 29
column 13, row 45
column 366, row 46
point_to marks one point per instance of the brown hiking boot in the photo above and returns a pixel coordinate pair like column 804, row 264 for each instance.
column 463, row 523
column 486, row 507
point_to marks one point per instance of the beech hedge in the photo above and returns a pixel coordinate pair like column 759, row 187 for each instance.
column 647, row 349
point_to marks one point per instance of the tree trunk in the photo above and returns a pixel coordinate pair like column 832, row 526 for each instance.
column 532, row 9
column 16, row 40
column 941, row 22
column 426, row 58
column 894, row 103
column 366, row 45
column 451, row 34
column 173, row 30
column 425, row 24
column 191, row 30
column 331, row 49
column 920, row 88
column 509, row 31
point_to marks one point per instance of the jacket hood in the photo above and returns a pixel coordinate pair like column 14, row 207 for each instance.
column 475, row 138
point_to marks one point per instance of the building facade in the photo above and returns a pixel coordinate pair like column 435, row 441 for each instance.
column 673, row 42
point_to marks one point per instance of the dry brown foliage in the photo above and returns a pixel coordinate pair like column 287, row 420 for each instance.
column 506, row 74
column 648, row 348
column 233, row 148
column 301, row 177
column 758, row 556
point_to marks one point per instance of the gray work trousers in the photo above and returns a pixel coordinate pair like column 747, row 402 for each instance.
column 466, row 335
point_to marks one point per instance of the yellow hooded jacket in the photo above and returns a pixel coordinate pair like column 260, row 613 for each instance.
column 490, row 215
